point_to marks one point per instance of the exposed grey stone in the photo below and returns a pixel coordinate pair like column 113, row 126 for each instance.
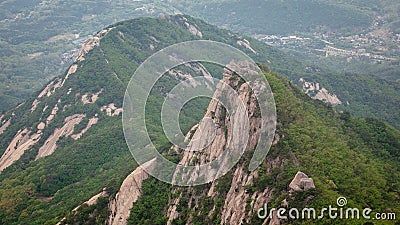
column 301, row 182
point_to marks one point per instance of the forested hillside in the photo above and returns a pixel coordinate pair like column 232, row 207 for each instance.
column 29, row 59
column 290, row 17
column 39, row 39
column 65, row 144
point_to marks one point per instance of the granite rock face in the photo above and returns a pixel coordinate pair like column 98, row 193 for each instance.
column 301, row 182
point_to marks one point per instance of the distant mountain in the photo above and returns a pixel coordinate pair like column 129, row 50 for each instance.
column 289, row 17
column 64, row 158
column 39, row 39
column 29, row 59
column 368, row 26
column 280, row 17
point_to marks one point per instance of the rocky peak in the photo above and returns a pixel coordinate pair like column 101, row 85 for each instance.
column 238, row 200
column 181, row 20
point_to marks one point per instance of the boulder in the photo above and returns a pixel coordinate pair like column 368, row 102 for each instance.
column 301, row 182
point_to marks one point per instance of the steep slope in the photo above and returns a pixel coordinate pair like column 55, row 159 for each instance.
column 29, row 58
column 364, row 95
column 333, row 149
column 67, row 143
column 338, row 159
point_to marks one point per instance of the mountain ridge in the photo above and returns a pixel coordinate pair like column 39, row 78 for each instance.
column 310, row 133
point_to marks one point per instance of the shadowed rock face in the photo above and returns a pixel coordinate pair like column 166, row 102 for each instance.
column 301, row 182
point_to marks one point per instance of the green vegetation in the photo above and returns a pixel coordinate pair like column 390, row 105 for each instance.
column 346, row 156
column 284, row 17
column 367, row 95
column 30, row 58
column 155, row 198
column 94, row 214
column 359, row 156
column 331, row 146
column 38, row 39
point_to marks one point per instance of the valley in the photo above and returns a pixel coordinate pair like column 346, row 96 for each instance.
column 354, row 35
column 355, row 53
